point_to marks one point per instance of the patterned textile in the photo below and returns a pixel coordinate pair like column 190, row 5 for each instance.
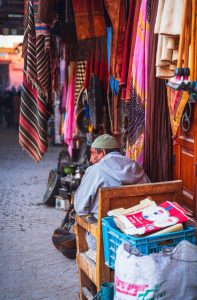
column 80, row 77
column 140, row 88
column 36, row 91
column 117, row 13
column 176, row 104
column 133, row 32
column 89, row 18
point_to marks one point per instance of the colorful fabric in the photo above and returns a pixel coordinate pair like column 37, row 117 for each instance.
column 133, row 31
column 177, row 101
column 97, row 64
column 127, row 46
column 36, row 91
column 139, row 87
column 89, row 19
column 70, row 105
column 117, row 14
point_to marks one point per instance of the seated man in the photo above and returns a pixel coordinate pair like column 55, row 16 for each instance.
column 109, row 168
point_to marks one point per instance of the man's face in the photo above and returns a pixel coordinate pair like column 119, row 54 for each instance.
column 96, row 156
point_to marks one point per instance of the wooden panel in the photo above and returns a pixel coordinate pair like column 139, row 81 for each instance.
column 185, row 154
column 187, row 169
column 92, row 228
column 87, row 265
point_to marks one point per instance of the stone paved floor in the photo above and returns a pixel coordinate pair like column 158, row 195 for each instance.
column 30, row 266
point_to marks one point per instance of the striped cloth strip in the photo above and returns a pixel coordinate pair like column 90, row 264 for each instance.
column 80, row 78
column 36, row 92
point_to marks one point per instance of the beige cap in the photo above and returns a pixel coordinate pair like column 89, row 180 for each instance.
column 105, row 141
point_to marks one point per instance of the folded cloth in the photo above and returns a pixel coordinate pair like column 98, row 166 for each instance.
column 91, row 241
column 91, row 254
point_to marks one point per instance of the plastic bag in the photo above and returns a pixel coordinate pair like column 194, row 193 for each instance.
column 171, row 275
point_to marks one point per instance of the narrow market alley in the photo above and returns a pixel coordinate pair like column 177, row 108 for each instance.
column 31, row 267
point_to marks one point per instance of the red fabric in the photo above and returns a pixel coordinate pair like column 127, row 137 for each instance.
column 117, row 14
column 89, row 19
column 127, row 43
column 97, row 65
column 134, row 31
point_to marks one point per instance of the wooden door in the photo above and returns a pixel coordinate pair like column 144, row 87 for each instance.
column 185, row 163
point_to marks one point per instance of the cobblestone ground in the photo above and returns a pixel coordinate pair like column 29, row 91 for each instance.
column 30, row 266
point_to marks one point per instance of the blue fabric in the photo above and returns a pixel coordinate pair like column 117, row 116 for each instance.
column 109, row 38
column 114, row 84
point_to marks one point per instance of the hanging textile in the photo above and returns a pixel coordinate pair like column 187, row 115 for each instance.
column 127, row 47
column 80, row 78
column 97, row 64
column 36, row 88
column 177, row 99
column 89, row 19
column 46, row 12
column 168, row 26
column 70, row 105
column 139, row 81
column 117, row 14
column 132, row 31
column 158, row 142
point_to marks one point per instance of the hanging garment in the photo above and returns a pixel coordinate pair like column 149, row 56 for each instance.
column 127, row 47
column 36, row 88
column 158, row 141
column 176, row 104
column 168, row 26
column 80, row 78
column 70, row 105
column 97, row 64
column 133, row 31
column 139, row 88
column 89, row 19
column 46, row 12
column 117, row 14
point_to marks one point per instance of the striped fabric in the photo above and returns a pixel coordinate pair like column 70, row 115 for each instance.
column 36, row 91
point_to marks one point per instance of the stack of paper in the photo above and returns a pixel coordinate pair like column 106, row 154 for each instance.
column 149, row 217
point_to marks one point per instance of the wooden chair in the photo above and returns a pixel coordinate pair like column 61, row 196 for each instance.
column 93, row 274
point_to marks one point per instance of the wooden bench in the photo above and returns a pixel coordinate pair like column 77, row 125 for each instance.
column 93, row 274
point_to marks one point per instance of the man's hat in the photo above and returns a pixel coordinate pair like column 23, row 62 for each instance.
column 105, row 141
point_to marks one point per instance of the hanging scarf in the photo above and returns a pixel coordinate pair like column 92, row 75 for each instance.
column 36, row 89
column 117, row 14
column 80, row 78
column 139, row 81
column 69, row 120
column 133, row 32
column 127, row 47
column 97, row 64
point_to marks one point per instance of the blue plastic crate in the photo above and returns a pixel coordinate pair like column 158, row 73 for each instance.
column 113, row 237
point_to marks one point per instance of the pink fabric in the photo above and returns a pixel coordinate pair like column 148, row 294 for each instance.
column 139, row 77
column 69, row 124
